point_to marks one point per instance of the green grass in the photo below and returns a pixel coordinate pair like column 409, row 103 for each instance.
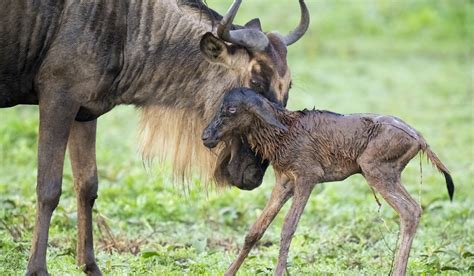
column 407, row 58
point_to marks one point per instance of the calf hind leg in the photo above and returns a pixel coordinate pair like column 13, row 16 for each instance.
column 83, row 161
column 409, row 211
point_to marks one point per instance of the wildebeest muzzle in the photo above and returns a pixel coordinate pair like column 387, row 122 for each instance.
column 240, row 166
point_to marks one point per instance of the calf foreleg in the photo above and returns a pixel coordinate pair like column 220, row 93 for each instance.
column 301, row 194
column 83, row 161
column 280, row 194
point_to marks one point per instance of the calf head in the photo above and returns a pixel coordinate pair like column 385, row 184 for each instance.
column 238, row 111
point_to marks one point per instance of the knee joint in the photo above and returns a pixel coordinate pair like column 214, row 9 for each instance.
column 412, row 218
column 49, row 196
column 417, row 211
column 87, row 189
column 286, row 235
column 251, row 238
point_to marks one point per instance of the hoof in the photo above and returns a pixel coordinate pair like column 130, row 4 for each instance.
column 37, row 272
column 92, row 270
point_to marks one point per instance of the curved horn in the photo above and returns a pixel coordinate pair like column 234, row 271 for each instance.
column 227, row 19
column 251, row 39
column 299, row 31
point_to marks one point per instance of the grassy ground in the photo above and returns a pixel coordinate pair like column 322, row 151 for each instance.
column 407, row 58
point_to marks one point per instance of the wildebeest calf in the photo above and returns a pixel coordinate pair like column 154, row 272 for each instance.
column 312, row 146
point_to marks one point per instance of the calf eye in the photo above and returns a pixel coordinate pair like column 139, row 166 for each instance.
column 232, row 110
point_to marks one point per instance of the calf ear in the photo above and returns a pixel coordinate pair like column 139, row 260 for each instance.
column 266, row 116
column 214, row 49
column 264, row 111
column 271, row 120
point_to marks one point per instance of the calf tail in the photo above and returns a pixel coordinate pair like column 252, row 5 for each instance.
column 440, row 166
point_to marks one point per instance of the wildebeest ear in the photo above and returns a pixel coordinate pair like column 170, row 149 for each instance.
column 254, row 24
column 214, row 49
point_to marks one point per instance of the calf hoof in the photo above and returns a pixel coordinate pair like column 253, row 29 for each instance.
column 92, row 270
column 37, row 272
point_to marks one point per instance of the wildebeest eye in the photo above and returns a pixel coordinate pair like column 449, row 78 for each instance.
column 256, row 85
column 232, row 110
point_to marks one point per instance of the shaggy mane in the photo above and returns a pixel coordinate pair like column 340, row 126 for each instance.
column 171, row 130
column 169, row 134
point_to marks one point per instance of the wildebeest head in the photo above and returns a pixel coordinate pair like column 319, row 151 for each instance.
column 259, row 59
column 230, row 56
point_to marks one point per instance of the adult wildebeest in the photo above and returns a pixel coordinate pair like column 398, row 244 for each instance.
column 174, row 59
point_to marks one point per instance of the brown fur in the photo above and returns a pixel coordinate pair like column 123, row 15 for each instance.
column 310, row 147
column 77, row 60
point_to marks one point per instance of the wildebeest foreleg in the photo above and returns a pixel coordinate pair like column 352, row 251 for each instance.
column 81, row 146
column 56, row 117
column 302, row 192
column 280, row 194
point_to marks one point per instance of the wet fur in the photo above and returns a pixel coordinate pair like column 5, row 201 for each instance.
column 312, row 146
column 332, row 144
